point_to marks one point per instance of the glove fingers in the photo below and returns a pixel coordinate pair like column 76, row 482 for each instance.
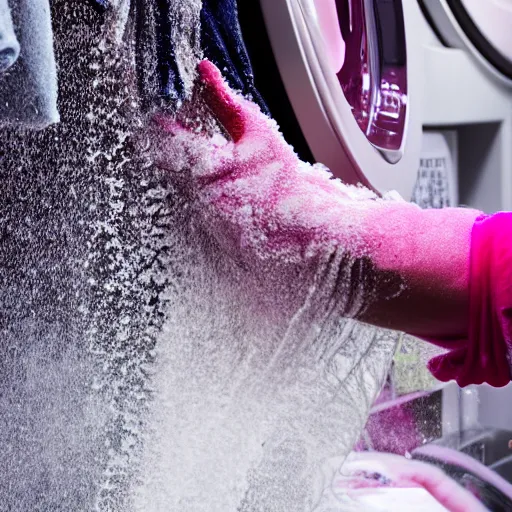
column 221, row 100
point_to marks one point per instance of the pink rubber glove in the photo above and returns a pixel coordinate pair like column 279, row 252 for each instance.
column 387, row 261
column 485, row 355
column 263, row 204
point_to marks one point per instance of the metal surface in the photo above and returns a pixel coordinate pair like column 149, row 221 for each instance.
column 479, row 27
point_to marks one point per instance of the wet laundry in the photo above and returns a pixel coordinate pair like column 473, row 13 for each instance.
column 160, row 78
column 100, row 5
column 165, row 75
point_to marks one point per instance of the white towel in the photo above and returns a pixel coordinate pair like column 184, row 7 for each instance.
column 28, row 92
column 9, row 46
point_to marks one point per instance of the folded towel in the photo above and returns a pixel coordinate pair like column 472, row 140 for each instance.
column 28, row 93
column 9, row 46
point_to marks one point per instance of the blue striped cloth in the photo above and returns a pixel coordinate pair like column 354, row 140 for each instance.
column 221, row 41
column 223, row 44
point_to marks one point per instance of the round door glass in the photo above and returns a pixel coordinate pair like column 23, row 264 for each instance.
column 374, row 72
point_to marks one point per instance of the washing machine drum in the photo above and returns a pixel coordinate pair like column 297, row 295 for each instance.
column 352, row 80
column 482, row 26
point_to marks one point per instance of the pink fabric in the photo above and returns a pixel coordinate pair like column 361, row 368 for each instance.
column 402, row 473
column 486, row 354
column 390, row 430
column 430, row 250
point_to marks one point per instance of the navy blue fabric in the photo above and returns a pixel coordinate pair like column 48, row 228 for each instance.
column 221, row 41
column 100, row 5
column 171, row 83
column 223, row 44
column 154, row 43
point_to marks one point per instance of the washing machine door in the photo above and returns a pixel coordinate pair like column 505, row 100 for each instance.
column 484, row 27
column 352, row 72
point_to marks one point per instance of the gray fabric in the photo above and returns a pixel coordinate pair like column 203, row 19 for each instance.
column 28, row 92
column 9, row 46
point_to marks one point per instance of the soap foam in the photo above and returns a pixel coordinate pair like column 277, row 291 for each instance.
column 258, row 379
column 145, row 364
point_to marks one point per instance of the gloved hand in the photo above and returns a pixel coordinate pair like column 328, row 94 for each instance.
column 382, row 260
column 261, row 201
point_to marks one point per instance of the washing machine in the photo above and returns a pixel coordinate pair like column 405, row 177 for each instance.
column 481, row 27
column 343, row 79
